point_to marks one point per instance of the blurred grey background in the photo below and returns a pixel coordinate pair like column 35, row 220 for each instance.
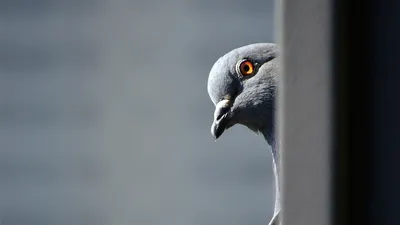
column 105, row 117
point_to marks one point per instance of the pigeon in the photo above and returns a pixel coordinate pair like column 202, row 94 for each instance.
column 242, row 84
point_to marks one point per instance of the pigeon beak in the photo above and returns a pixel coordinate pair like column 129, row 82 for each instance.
column 220, row 118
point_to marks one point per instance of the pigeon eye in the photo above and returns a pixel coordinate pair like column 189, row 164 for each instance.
column 246, row 68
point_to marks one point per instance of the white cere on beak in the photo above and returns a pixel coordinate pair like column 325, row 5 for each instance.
column 222, row 104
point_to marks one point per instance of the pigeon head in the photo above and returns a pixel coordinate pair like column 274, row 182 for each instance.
column 242, row 85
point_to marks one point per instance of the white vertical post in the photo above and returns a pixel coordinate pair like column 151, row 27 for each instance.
column 305, row 110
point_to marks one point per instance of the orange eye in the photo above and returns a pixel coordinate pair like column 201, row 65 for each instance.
column 246, row 68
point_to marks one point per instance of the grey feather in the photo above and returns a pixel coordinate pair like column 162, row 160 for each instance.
column 248, row 100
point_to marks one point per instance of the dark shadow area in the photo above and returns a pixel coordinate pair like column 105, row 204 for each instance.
column 367, row 110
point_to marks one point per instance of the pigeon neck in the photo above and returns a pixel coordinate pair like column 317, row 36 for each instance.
column 269, row 136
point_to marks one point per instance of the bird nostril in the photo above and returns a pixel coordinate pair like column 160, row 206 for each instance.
column 219, row 116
